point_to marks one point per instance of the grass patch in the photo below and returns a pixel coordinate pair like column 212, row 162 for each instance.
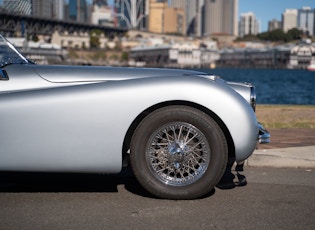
column 286, row 116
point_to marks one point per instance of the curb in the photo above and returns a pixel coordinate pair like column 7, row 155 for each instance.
column 293, row 157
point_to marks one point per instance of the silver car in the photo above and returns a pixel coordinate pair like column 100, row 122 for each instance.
column 177, row 128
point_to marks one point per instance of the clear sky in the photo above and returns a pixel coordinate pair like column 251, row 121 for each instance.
column 266, row 10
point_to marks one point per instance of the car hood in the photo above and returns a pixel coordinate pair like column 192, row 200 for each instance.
column 81, row 74
column 66, row 74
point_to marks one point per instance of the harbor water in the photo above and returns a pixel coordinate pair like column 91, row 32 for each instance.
column 274, row 86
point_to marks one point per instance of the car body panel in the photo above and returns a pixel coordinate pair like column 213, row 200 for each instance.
column 78, row 124
column 96, row 73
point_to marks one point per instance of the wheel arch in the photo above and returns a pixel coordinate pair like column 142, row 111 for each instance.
column 142, row 115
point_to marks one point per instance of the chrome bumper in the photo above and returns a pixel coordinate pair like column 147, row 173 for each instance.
column 263, row 136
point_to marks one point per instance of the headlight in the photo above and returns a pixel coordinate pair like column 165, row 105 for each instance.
column 253, row 97
column 246, row 90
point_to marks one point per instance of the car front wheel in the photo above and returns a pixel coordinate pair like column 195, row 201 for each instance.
column 178, row 152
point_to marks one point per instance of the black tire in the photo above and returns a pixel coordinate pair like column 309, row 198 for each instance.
column 178, row 152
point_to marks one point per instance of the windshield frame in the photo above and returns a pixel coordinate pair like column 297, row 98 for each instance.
column 11, row 54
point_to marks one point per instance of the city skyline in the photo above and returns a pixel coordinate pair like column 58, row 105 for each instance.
column 264, row 11
column 268, row 10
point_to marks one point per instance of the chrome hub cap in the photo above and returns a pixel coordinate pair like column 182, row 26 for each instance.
column 178, row 154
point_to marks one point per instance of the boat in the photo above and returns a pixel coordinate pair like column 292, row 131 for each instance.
column 311, row 67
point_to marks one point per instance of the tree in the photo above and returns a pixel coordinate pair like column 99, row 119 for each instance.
column 264, row 36
column 275, row 36
column 34, row 38
column 278, row 35
column 250, row 37
column 95, row 38
column 295, row 34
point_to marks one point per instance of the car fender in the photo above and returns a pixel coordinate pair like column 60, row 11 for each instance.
column 215, row 95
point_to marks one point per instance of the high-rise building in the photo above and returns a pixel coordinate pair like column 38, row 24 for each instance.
column 18, row 6
column 77, row 11
column 174, row 21
column 190, row 9
column 165, row 19
column 132, row 14
column 248, row 24
column 59, row 9
column 306, row 20
column 274, row 25
column 101, row 13
column 156, row 19
column 42, row 9
column 199, row 17
column 221, row 17
column 289, row 19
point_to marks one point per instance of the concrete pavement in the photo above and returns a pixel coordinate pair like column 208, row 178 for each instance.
column 289, row 148
column 292, row 157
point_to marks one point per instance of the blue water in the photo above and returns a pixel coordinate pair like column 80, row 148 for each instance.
column 295, row 87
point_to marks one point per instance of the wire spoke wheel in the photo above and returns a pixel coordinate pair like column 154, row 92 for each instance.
column 178, row 154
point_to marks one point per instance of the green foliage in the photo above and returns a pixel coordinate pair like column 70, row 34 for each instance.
column 249, row 38
column 73, row 54
column 95, row 38
column 114, row 57
column 295, row 34
column 124, row 56
column 34, row 38
column 100, row 55
column 96, row 32
column 275, row 36
column 94, row 42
